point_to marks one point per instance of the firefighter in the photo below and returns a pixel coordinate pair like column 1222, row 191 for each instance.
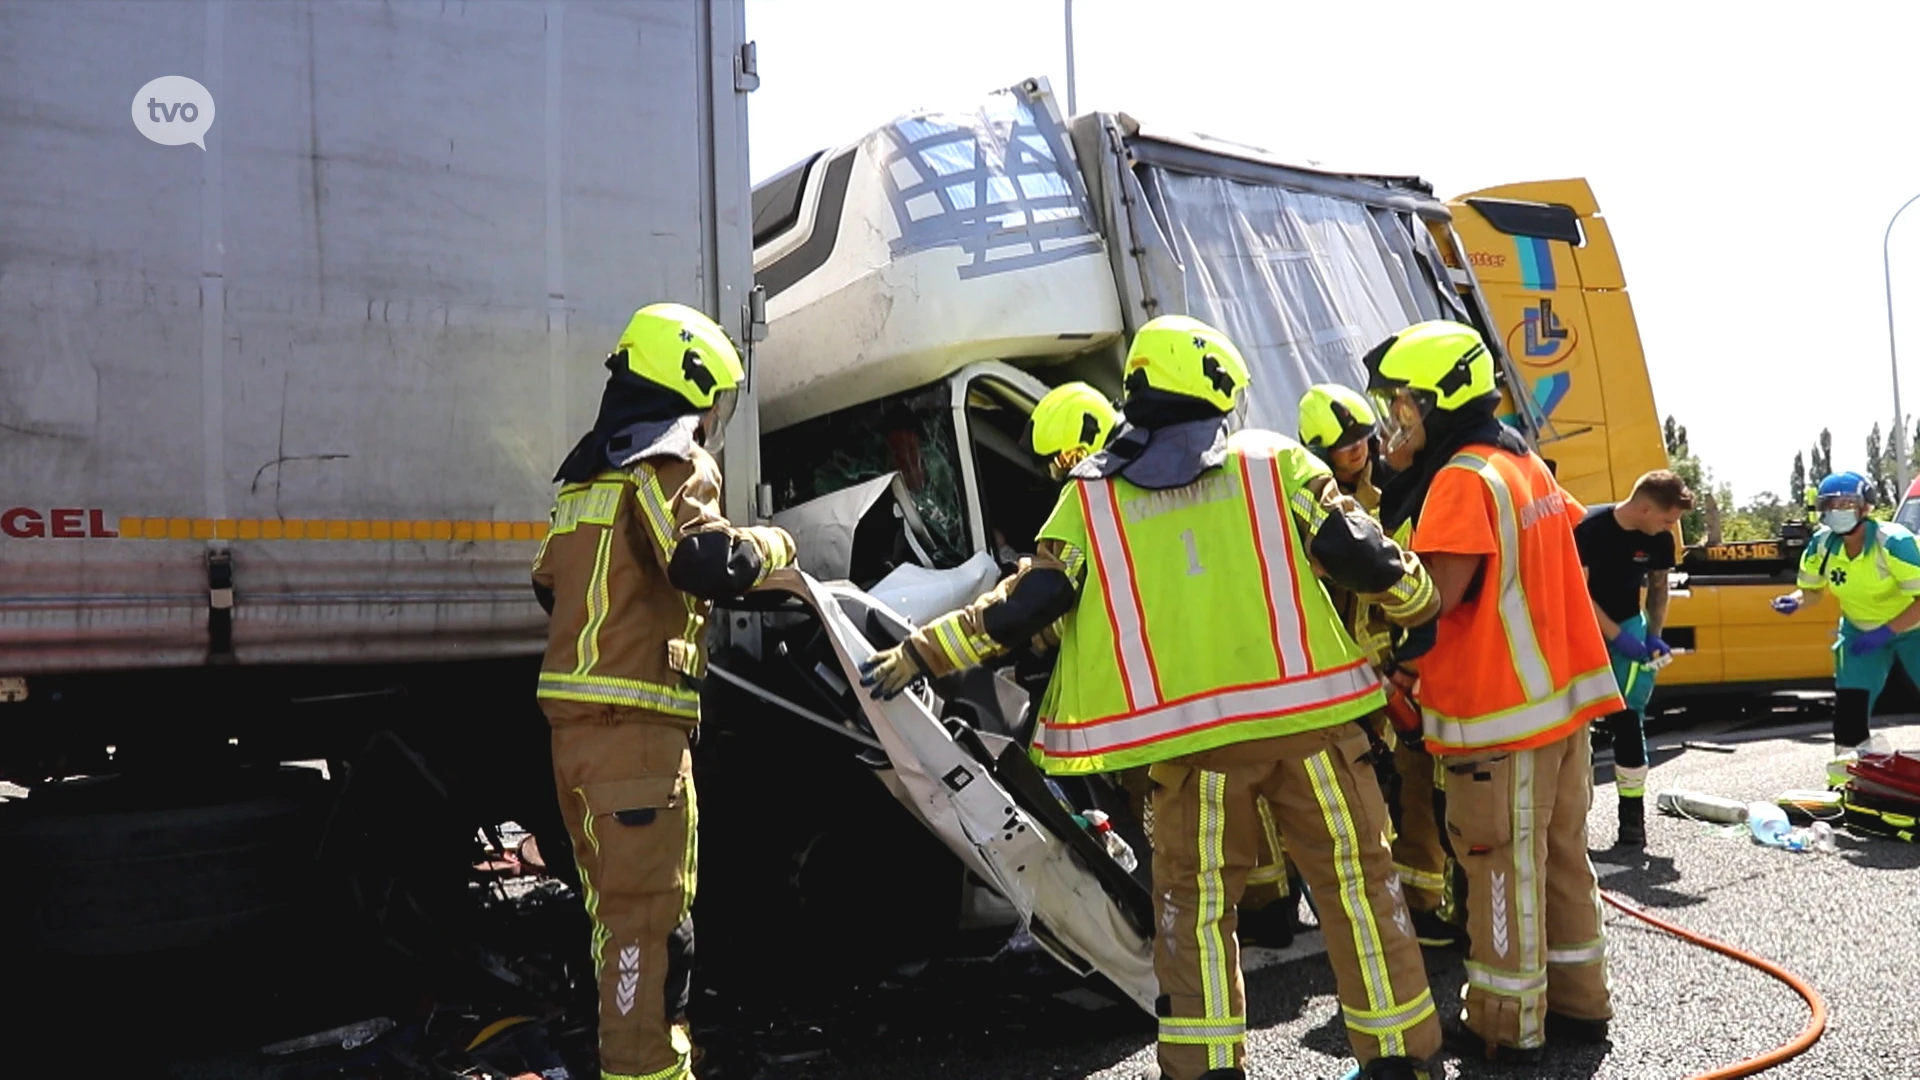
column 636, row 554
column 1517, row 673
column 1337, row 424
column 1196, row 640
column 1873, row 569
column 1626, row 548
column 1071, row 423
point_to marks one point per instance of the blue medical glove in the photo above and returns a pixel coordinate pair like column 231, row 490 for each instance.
column 1657, row 648
column 1786, row 605
column 1870, row 641
column 1632, row 646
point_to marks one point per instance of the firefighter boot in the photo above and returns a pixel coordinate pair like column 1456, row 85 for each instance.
column 1572, row 1030
column 1468, row 1046
column 1633, row 822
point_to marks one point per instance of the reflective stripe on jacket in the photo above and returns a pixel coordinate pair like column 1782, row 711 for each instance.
column 1522, row 661
column 1200, row 622
column 620, row 633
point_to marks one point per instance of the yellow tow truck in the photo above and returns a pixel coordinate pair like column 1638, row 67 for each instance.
column 1546, row 259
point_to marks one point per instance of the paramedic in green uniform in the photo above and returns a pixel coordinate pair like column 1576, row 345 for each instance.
column 1873, row 570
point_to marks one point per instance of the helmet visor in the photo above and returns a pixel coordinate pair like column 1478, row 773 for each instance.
column 718, row 416
column 1402, row 413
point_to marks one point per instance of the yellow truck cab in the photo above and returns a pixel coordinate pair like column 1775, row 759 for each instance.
column 1552, row 276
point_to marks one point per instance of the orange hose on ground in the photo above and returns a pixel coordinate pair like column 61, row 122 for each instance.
column 1816, row 1023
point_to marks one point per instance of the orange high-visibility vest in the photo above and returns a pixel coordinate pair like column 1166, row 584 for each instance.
column 1522, row 663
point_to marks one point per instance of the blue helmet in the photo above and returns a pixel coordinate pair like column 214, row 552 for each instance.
column 1844, row 484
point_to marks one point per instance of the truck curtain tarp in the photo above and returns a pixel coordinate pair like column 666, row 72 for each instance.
column 1303, row 283
column 1304, row 271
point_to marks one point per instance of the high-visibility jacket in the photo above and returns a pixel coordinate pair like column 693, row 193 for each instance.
column 1874, row 588
column 1521, row 662
column 620, row 633
column 1200, row 622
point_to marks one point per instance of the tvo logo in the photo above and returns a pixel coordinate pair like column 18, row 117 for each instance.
column 174, row 110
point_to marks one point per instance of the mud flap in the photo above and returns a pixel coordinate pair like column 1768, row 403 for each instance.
column 955, row 795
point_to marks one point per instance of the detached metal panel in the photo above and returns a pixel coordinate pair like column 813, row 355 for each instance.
column 342, row 348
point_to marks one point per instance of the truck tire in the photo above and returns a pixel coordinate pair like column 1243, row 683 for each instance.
column 114, row 866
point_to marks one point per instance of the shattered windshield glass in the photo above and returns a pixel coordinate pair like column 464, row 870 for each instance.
column 910, row 435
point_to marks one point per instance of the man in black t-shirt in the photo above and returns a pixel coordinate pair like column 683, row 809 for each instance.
column 1626, row 547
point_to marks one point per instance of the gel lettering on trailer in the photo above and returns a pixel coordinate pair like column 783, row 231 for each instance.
column 61, row 523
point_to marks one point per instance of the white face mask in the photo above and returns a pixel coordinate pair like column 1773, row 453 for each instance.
column 1841, row 522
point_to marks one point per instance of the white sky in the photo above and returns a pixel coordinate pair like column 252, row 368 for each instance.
column 1747, row 162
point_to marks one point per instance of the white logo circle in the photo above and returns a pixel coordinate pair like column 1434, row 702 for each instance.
column 173, row 110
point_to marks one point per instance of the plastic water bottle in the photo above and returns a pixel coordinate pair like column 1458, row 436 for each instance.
column 1768, row 823
column 1117, row 845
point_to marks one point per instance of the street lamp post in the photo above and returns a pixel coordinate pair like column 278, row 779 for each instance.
column 1893, row 354
column 1073, row 104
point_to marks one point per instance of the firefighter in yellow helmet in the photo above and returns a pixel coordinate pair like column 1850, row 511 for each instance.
column 1338, row 424
column 1516, row 674
column 1196, row 640
column 636, row 553
column 1071, row 423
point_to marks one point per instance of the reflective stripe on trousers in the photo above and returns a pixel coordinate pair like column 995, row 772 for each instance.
column 1421, row 879
column 1383, row 1018
column 1530, row 892
column 1215, row 978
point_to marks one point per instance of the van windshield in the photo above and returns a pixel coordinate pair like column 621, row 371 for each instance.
column 1908, row 514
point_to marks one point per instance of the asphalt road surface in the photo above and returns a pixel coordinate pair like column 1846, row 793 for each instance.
column 1848, row 923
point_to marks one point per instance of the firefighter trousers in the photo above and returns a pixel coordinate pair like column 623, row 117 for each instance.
column 1207, row 837
column 1518, row 824
column 1418, row 855
column 625, row 779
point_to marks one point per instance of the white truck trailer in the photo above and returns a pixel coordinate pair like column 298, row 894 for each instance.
column 278, row 410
